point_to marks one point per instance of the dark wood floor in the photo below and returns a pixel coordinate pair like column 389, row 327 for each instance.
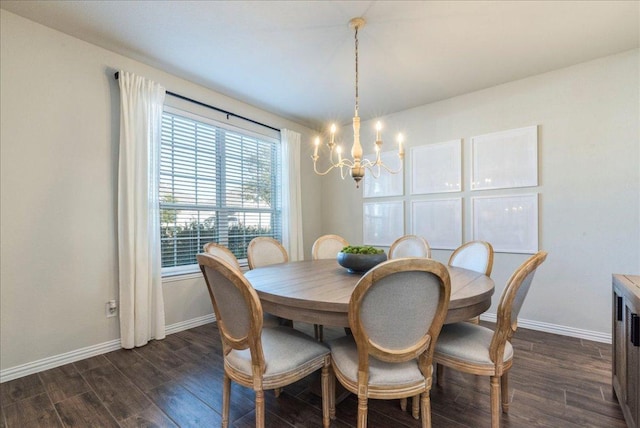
column 555, row 381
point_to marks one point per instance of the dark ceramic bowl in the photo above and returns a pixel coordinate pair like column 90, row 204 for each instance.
column 358, row 263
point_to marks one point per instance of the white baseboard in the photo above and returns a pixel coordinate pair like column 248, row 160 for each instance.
column 58, row 360
column 186, row 325
column 555, row 329
column 113, row 345
column 88, row 352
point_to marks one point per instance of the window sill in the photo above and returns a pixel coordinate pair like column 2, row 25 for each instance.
column 180, row 276
column 189, row 274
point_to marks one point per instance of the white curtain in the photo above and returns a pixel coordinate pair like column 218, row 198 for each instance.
column 291, row 195
column 141, row 301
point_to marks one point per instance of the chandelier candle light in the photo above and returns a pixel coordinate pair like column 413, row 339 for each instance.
column 357, row 165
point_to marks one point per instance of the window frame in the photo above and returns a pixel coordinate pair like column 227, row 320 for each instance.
column 272, row 137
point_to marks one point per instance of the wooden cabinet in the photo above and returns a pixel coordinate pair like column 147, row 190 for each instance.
column 626, row 346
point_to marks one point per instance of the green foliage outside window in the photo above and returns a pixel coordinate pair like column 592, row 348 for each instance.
column 181, row 243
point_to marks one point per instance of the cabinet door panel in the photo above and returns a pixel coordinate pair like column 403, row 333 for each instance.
column 626, row 345
column 619, row 342
column 633, row 363
column 632, row 327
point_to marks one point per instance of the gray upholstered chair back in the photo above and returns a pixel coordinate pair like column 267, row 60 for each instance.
column 513, row 297
column 397, row 309
column 475, row 255
column 328, row 247
column 409, row 246
column 264, row 251
column 235, row 302
column 223, row 252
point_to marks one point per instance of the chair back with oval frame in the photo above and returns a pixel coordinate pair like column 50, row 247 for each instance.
column 410, row 246
column 264, row 251
column 328, row 247
column 219, row 250
column 474, row 255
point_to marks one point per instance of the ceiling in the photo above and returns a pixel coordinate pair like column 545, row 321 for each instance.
column 296, row 58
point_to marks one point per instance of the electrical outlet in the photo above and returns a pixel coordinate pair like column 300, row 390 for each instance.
column 111, row 308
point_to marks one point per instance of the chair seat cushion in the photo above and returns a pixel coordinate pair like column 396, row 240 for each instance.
column 285, row 349
column 468, row 342
column 344, row 356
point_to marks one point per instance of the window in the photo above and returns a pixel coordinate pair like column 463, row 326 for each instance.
column 217, row 184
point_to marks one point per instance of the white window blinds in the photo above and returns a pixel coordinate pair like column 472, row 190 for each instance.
column 216, row 185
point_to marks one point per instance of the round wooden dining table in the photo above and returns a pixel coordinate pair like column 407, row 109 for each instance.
column 318, row 291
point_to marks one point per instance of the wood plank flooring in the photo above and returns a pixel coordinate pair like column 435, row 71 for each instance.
column 556, row 381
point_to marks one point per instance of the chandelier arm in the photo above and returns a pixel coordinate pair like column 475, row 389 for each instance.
column 315, row 169
column 347, row 163
column 392, row 171
column 367, row 163
column 375, row 170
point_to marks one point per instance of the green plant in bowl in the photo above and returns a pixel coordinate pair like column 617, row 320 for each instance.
column 360, row 258
column 362, row 249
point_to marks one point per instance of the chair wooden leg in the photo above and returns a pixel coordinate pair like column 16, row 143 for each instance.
column 226, row 393
column 362, row 412
column 277, row 392
column 425, row 408
column 332, row 394
column 495, row 401
column 325, row 396
column 415, row 407
column 260, row 409
column 474, row 320
column 504, row 392
column 439, row 374
column 403, row 404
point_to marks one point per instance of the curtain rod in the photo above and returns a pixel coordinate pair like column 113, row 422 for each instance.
column 228, row 113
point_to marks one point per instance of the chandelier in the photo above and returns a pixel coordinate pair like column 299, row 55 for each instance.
column 356, row 166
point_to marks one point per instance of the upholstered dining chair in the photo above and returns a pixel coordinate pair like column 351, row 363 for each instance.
column 223, row 252
column 478, row 350
column 264, row 251
column 410, row 246
column 256, row 357
column 328, row 247
column 476, row 256
column 396, row 312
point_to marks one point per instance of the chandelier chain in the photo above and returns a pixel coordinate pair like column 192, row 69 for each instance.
column 357, row 95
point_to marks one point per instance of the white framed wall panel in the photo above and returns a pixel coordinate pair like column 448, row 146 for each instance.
column 436, row 168
column 383, row 222
column 505, row 159
column 439, row 221
column 509, row 223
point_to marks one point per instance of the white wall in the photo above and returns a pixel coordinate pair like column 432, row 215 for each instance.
column 59, row 147
column 589, row 176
